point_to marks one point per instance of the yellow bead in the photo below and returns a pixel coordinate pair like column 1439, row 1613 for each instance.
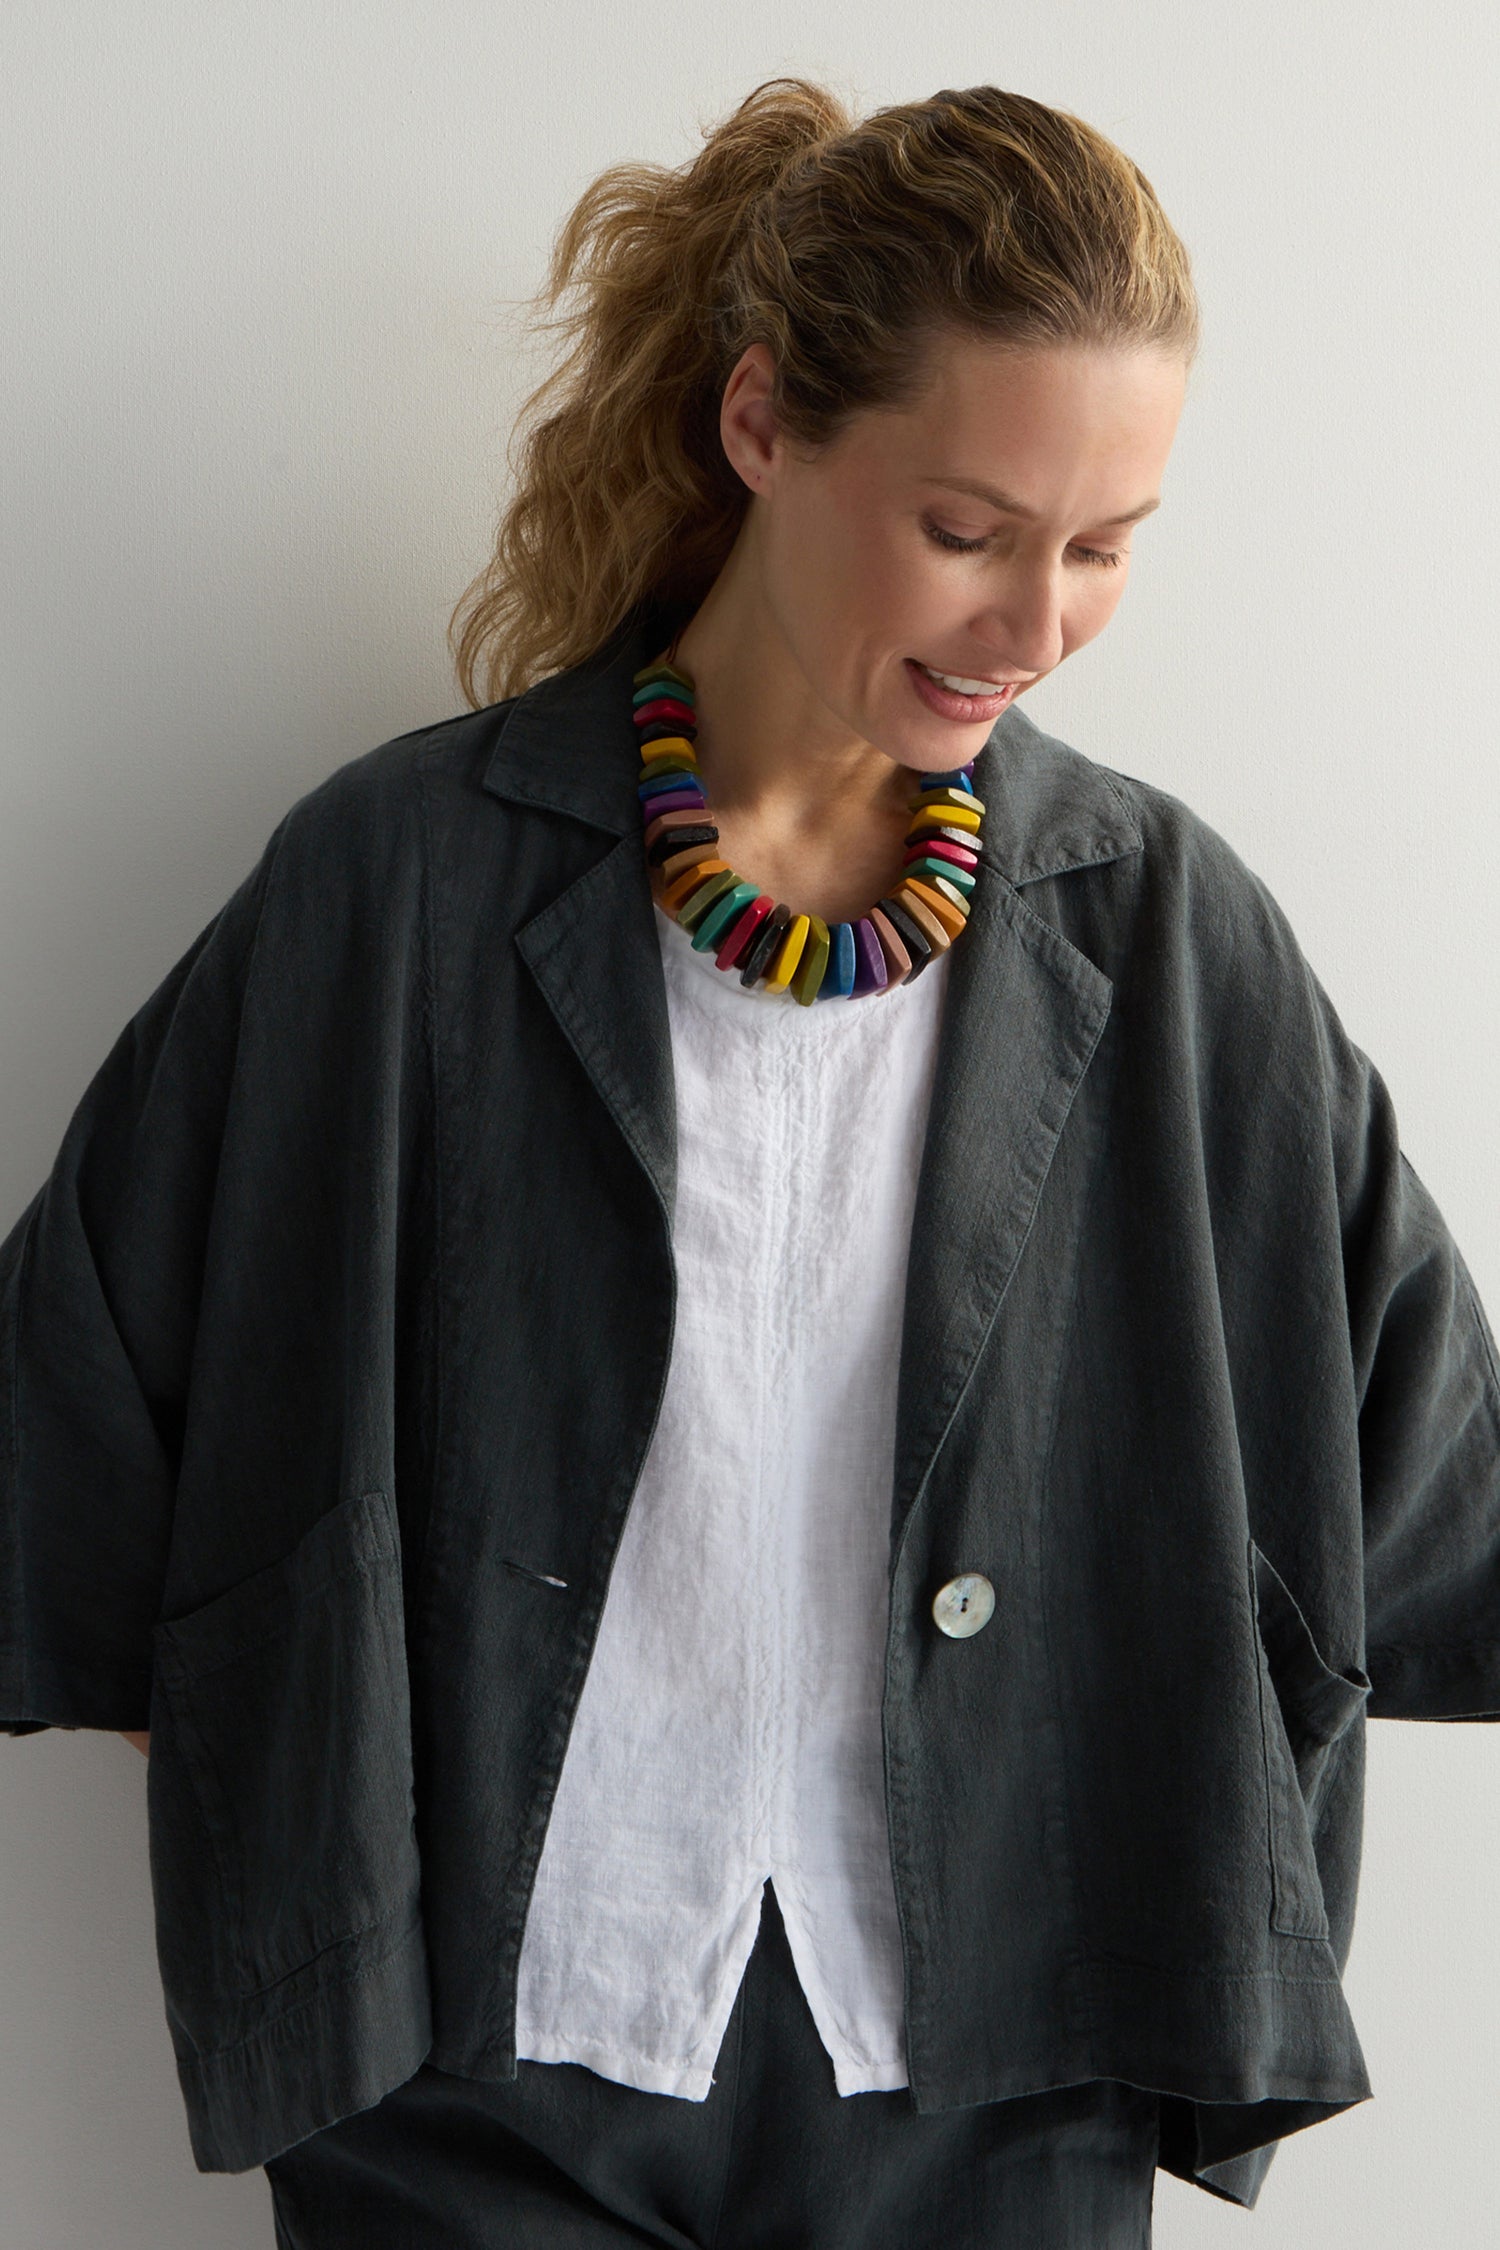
column 945, row 816
column 788, row 953
column 676, row 745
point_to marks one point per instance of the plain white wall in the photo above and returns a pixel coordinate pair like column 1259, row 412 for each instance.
column 260, row 370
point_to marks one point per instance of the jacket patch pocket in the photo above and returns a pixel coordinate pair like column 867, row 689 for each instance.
column 281, row 1816
column 1305, row 1706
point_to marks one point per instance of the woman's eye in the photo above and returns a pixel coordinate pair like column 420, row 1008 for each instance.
column 948, row 539
column 1099, row 558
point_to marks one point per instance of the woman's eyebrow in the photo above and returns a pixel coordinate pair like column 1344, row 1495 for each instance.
column 1013, row 507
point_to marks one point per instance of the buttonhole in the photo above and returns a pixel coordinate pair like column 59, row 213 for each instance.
column 544, row 1576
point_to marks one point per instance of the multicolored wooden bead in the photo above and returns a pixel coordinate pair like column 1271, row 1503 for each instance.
column 687, row 879
column 809, row 971
column 675, row 802
column 944, row 909
column 941, row 847
column 661, row 670
column 940, row 872
column 920, row 913
column 943, row 816
column 678, row 863
column 897, row 959
column 788, row 953
column 838, row 972
column 964, row 799
column 669, row 745
column 764, row 943
column 664, row 707
column 965, row 838
column 674, row 764
column 719, row 916
column 660, row 824
column 919, row 946
column 950, row 884
column 742, row 930
column 870, row 973
column 706, row 895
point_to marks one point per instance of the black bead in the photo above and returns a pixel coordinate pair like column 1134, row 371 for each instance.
column 918, row 944
column 660, row 728
column 678, row 840
column 764, row 943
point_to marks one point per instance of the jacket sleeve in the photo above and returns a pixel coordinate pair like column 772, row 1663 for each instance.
column 99, row 1279
column 1428, row 1400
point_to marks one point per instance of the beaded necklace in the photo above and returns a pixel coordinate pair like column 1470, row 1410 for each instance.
column 742, row 925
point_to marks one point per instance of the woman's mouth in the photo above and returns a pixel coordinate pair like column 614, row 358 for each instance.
column 952, row 696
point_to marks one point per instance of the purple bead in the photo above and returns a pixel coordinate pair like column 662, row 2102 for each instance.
column 870, row 972
column 671, row 800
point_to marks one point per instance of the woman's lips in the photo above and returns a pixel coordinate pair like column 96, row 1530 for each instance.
column 948, row 705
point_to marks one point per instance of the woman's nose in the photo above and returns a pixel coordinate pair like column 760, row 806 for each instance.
column 1023, row 625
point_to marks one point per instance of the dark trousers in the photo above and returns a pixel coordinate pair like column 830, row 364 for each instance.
column 774, row 2159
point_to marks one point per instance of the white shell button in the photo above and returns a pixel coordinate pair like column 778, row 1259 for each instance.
column 964, row 1605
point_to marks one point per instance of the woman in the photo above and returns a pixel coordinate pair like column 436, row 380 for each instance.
column 753, row 1616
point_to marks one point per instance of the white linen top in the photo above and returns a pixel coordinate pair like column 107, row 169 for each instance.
column 729, row 1727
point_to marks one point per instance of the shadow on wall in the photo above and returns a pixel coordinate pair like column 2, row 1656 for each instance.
column 91, row 2116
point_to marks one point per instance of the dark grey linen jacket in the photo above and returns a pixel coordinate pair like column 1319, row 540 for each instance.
column 331, row 1348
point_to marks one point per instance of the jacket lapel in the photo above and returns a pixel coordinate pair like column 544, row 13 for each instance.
column 1024, row 1013
column 1025, row 1008
column 569, row 746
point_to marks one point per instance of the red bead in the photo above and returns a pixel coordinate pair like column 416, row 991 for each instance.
column 742, row 929
column 960, row 854
column 664, row 707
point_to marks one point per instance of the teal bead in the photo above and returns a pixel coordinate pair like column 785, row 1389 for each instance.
column 661, row 683
column 719, row 916
column 961, row 876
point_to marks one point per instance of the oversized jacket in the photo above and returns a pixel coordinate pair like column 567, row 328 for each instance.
column 331, row 1348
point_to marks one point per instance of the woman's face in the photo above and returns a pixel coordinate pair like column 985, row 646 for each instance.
column 985, row 532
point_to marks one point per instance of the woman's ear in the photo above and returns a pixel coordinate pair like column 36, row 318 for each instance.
column 747, row 422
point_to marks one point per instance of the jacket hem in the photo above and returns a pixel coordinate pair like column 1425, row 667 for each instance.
column 1435, row 1683
column 37, row 1692
column 1272, row 2056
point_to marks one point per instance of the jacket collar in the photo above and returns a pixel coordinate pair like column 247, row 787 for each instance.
column 1024, row 1012
column 568, row 745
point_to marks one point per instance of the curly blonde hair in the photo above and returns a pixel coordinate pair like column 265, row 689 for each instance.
column 845, row 247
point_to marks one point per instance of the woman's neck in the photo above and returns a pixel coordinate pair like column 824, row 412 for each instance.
column 804, row 808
